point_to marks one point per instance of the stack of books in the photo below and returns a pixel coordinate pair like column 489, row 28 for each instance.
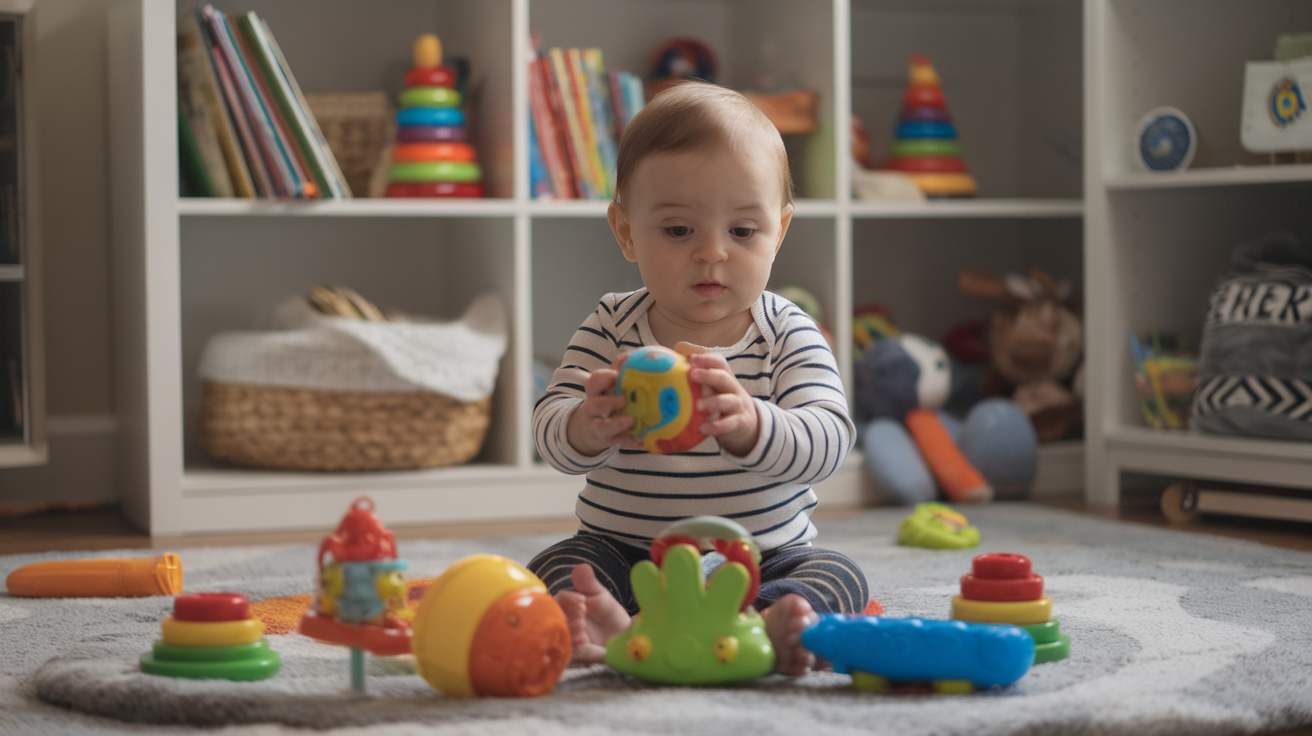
column 579, row 112
column 244, row 128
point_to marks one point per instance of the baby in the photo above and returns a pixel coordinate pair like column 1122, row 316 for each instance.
column 703, row 200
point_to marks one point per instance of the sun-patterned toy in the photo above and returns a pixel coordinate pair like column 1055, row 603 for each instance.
column 689, row 631
column 661, row 399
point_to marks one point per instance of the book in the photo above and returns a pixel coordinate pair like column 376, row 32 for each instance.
column 292, row 115
column 539, row 181
column 338, row 179
column 594, row 72
column 193, row 65
column 255, row 161
column 193, row 175
column 562, row 90
column 620, row 117
column 583, row 103
column 300, row 183
column 548, row 125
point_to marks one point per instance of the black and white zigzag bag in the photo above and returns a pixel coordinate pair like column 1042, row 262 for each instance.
column 1255, row 358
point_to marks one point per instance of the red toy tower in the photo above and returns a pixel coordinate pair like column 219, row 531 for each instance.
column 1002, row 589
column 925, row 145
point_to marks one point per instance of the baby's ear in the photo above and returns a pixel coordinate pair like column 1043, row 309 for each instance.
column 785, row 218
column 618, row 218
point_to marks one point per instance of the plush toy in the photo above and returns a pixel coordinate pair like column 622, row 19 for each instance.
column 1036, row 344
column 913, row 450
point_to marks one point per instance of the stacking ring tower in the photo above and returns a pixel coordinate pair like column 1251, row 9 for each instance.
column 925, row 145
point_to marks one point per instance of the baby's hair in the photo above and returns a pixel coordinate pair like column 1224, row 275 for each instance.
column 695, row 116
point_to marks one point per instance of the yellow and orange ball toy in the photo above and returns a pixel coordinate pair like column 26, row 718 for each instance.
column 488, row 627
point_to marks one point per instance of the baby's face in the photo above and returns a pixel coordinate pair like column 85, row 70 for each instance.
column 704, row 228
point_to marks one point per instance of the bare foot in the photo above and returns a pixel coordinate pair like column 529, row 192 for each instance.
column 785, row 620
column 593, row 614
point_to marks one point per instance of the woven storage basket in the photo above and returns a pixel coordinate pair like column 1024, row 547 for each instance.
column 304, row 429
column 357, row 126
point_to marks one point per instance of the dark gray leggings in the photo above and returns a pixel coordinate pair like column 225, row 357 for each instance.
column 829, row 581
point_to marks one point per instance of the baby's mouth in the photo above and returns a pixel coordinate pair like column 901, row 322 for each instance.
column 709, row 288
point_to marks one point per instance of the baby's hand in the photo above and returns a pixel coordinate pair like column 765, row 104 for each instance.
column 733, row 418
column 591, row 429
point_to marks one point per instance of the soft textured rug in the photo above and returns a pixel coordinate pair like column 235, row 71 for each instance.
column 1173, row 633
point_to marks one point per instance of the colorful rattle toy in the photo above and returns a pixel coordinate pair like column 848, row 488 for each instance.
column 1000, row 589
column 212, row 636
column 360, row 601
column 431, row 157
column 661, row 399
column 937, row 526
column 689, row 631
column 925, row 145
column 489, row 627
column 954, row 656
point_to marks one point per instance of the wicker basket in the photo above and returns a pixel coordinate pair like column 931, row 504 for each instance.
column 303, row 429
column 357, row 126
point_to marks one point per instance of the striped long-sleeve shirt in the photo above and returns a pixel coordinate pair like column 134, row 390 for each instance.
column 782, row 361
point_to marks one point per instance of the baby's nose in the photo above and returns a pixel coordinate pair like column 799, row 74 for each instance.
column 712, row 249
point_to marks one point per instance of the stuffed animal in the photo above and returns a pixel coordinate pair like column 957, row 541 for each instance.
column 913, row 450
column 1036, row 345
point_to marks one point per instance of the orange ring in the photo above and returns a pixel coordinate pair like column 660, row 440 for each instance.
column 433, row 152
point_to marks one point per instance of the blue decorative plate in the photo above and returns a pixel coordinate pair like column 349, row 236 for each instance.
column 1166, row 140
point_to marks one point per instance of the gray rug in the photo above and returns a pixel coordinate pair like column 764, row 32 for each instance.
column 1173, row 633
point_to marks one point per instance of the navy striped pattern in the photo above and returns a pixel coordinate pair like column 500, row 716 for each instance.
column 829, row 581
column 806, row 433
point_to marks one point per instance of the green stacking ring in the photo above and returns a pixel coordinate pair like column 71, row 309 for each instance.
column 429, row 97
column 178, row 653
column 1053, row 650
column 242, row 670
column 427, row 171
column 1046, row 632
column 924, row 147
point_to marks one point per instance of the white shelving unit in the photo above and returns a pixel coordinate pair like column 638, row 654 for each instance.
column 1156, row 243
column 22, row 364
column 186, row 269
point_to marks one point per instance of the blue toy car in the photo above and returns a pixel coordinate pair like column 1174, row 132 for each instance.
column 913, row 649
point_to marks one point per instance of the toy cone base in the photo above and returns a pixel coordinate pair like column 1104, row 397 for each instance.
column 945, row 185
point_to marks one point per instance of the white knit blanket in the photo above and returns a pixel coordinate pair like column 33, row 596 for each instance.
column 458, row 359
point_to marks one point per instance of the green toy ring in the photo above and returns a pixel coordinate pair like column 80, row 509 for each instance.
column 178, row 653
column 1046, row 632
column 261, row 667
column 925, row 147
column 429, row 97
column 1053, row 650
column 435, row 171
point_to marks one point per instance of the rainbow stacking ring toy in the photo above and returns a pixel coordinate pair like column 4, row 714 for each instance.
column 925, row 145
column 212, row 636
column 431, row 157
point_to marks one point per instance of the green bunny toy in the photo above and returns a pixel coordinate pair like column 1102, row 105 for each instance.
column 689, row 632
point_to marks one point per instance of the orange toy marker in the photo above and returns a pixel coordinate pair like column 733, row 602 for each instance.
column 954, row 473
column 110, row 578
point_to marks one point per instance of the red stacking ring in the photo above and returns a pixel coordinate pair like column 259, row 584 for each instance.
column 435, row 189
column 430, row 76
column 928, row 164
column 1001, row 566
column 430, row 134
column 924, row 95
column 1002, row 589
column 211, row 607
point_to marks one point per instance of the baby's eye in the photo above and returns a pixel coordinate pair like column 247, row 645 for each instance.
column 742, row 233
column 678, row 231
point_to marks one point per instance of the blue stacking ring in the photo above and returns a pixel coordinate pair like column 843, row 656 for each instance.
column 430, row 116
column 926, row 130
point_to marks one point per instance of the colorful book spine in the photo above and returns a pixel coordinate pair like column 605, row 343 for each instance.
column 338, row 180
column 192, row 66
column 583, row 103
column 562, row 86
column 195, row 67
column 293, row 116
column 619, row 116
column 594, row 72
column 255, row 159
column 548, row 126
column 538, row 178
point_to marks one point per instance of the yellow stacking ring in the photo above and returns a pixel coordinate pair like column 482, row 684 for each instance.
column 945, row 185
column 1011, row 612
column 211, row 633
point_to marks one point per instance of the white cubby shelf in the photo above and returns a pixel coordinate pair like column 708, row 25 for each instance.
column 186, row 269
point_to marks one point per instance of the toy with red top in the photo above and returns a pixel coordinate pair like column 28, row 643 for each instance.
column 1002, row 588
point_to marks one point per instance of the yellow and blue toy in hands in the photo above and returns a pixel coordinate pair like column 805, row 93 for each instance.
column 661, row 399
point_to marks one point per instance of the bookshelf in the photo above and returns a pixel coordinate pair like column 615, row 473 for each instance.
column 1157, row 243
column 22, row 365
column 187, row 268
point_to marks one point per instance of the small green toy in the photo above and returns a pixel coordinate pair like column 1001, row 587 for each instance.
column 937, row 526
column 689, row 632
